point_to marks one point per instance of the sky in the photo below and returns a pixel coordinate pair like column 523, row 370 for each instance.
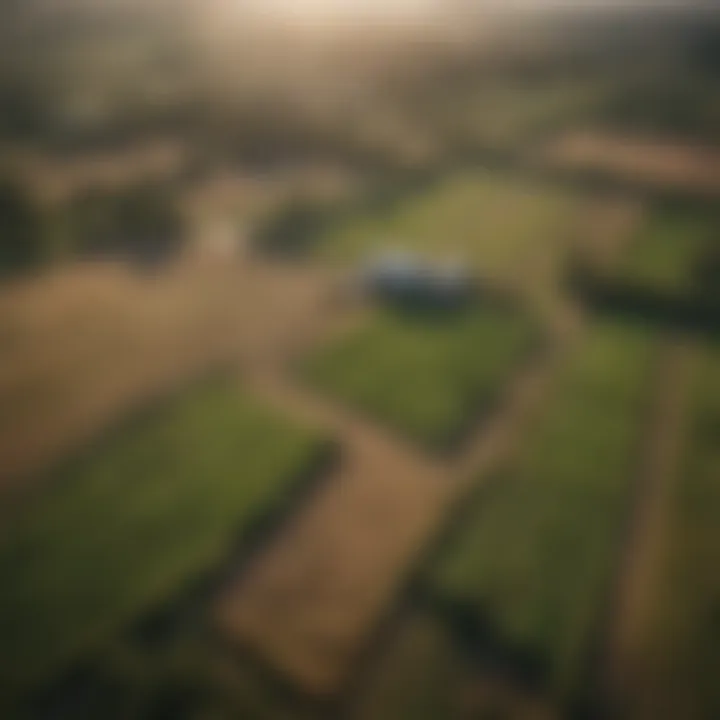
column 353, row 9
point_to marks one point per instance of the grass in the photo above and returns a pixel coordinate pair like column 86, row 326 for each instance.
column 506, row 116
column 429, row 375
column 417, row 678
column 505, row 227
column 535, row 557
column 123, row 528
column 665, row 254
column 684, row 650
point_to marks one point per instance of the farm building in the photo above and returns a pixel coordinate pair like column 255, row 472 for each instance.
column 402, row 275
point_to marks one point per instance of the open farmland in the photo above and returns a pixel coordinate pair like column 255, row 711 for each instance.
column 84, row 346
column 507, row 115
column 428, row 374
column 508, row 229
column 535, row 558
column 668, row 252
column 654, row 162
column 359, row 360
column 680, row 658
column 134, row 520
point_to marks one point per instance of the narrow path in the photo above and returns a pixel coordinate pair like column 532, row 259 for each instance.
column 631, row 605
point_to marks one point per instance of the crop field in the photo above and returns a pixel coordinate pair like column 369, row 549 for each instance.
column 130, row 523
column 428, row 374
column 651, row 160
column 505, row 227
column 359, row 361
column 682, row 652
column 667, row 252
column 503, row 117
column 535, row 559
column 83, row 346
column 416, row 678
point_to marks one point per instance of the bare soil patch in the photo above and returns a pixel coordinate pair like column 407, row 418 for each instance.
column 660, row 163
column 85, row 345
column 55, row 179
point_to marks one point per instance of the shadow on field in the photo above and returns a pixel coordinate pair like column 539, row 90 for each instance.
column 653, row 308
column 481, row 641
column 472, row 621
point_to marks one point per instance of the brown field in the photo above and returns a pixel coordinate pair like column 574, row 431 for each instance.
column 658, row 163
column 55, row 179
column 85, row 345
column 606, row 226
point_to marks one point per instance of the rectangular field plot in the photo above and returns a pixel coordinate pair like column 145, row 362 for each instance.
column 504, row 227
column 427, row 374
column 673, row 254
column 530, row 567
column 506, row 115
column 123, row 528
column 683, row 652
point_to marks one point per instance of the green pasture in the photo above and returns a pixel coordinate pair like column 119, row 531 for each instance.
column 506, row 115
column 428, row 374
column 672, row 254
column 124, row 527
column 505, row 228
column 684, row 650
column 535, row 557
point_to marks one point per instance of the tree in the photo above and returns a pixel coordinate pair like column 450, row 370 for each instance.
column 292, row 230
column 21, row 230
column 142, row 223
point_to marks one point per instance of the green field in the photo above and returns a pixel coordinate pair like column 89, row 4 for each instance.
column 506, row 228
column 667, row 253
column 536, row 556
column 507, row 115
column 685, row 647
column 130, row 524
column 418, row 677
column 427, row 374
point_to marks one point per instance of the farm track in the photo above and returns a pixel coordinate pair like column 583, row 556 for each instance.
column 310, row 603
column 618, row 674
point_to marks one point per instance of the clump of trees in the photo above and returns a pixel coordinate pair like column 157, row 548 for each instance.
column 23, row 242
column 293, row 229
column 142, row 223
